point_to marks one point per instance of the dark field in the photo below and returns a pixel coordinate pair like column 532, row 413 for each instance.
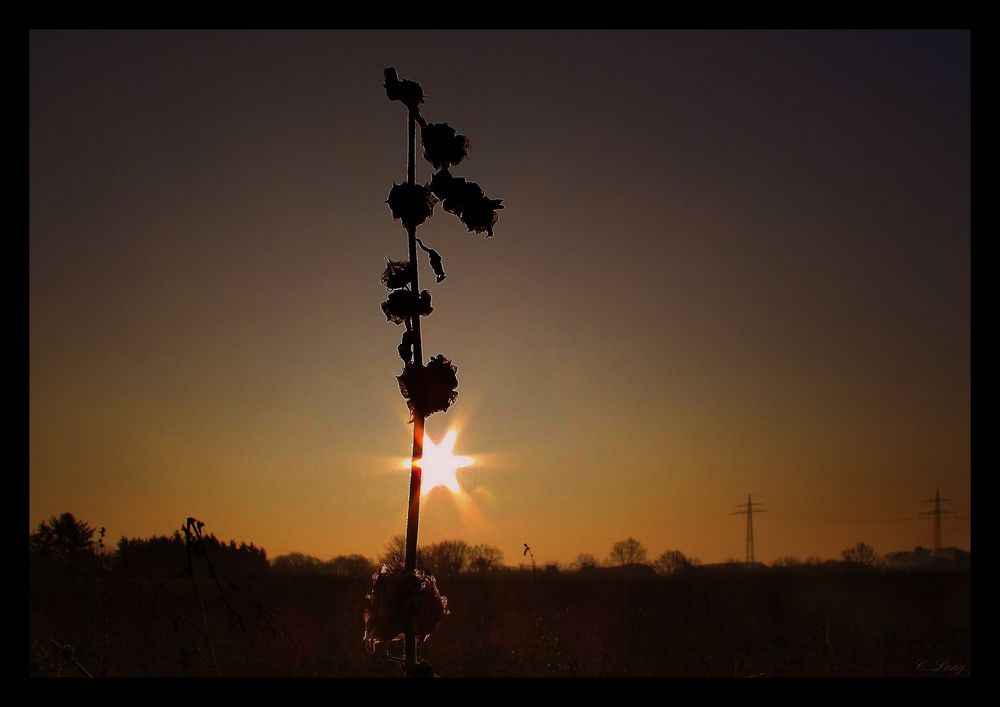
column 767, row 623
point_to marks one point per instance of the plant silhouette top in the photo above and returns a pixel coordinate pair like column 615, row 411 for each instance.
column 409, row 93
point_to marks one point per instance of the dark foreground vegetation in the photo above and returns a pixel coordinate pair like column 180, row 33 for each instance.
column 189, row 604
column 777, row 622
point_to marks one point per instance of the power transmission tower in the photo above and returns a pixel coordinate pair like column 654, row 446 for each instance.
column 937, row 513
column 748, row 510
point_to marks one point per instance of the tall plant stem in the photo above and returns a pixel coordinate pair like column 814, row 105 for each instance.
column 413, row 514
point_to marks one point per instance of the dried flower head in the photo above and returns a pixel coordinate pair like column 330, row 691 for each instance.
column 404, row 304
column 481, row 215
column 411, row 203
column 431, row 388
column 400, row 602
column 466, row 200
column 398, row 273
column 408, row 92
column 442, row 146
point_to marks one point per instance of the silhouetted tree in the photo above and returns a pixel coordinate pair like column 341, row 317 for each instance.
column 483, row 558
column 628, row 552
column 862, row 555
column 64, row 543
column 351, row 566
column 446, row 558
column 394, row 551
column 787, row 561
column 672, row 562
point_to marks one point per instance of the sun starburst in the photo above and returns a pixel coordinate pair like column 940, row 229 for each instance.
column 440, row 464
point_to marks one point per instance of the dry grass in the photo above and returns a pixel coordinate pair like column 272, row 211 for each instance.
column 778, row 623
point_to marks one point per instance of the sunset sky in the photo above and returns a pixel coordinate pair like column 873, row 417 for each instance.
column 729, row 263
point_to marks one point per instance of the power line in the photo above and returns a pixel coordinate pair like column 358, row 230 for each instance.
column 885, row 509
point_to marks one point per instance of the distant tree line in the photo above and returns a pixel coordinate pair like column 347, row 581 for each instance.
column 448, row 557
column 64, row 545
column 165, row 555
column 296, row 564
column 631, row 555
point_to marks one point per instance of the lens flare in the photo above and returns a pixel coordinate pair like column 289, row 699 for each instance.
column 440, row 464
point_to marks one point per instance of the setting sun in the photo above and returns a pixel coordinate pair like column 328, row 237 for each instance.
column 440, row 464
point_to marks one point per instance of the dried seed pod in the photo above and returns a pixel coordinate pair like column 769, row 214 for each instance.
column 411, row 203
column 397, row 274
column 431, row 388
column 442, row 146
column 404, row 304
column 408, row 92
column 402, row 602
column 481, row 215
column 466, row 200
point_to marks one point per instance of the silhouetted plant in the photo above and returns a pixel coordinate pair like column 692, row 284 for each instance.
column 403, row 599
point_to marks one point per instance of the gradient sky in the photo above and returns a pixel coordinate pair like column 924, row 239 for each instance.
column 730, row 263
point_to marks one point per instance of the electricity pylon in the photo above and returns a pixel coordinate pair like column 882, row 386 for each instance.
column 748, row 510
column 937, row 513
